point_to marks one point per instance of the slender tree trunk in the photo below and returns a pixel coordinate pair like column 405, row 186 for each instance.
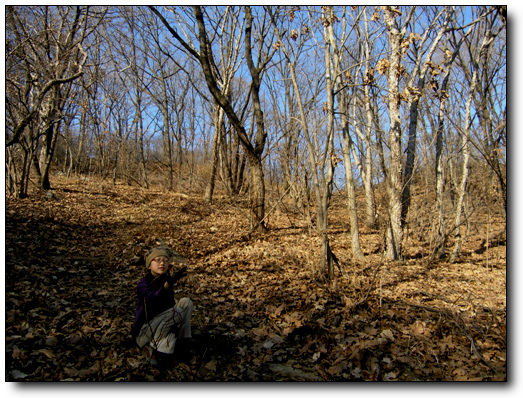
column 351, row 194
column 439, row 246
column 141, row 151
column 394, row 235
column 416, row 91
column 167, row 137
column 327, row 191
column 209, row 190
column 320, row 185
column 441, row 229
column 254, row 152
column 226, row 144
column 11, row 171
column 370, row 210
column 140, row 131
column 258, row 192
column 22, row 191
column 347, row 140
column 48, row 156
column 465, row 147
column 50, row 117
column 80, row 149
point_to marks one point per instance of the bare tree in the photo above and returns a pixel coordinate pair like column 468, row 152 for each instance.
column 366, row 137
column 399, row 183
column 415, row 86
column 161, row 71
column 135, row 64
column 205, row 56
column 322, row 159
column 475, row 67
column 229, row 62
column 333, row 51
column 395, row 70
column 44, row 55
column 286, row 138
column 442, row 94
column 490, row 98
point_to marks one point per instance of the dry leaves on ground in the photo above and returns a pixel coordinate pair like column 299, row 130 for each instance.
column 261, row 314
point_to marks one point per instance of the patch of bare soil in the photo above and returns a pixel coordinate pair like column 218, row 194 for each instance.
column 73, row 259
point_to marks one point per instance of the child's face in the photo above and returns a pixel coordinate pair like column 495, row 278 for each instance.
column 160, row 265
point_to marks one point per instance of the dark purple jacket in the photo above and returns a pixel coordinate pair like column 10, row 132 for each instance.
column 152, row 298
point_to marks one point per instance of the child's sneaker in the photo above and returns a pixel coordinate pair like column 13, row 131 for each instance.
column 164, row 361
column 182, row 351
column 148, row 351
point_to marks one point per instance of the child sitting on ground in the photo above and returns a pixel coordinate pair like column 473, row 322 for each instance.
column 161, row 322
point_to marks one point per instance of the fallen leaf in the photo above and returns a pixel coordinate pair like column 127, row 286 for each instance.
column 418, row 328
column 18, row 353
column 16, row 374
column 71, row 372
column 387, row 334
column 48, row 353
column 88, row 329
column 211, row 365
column 279, row 310
column 335, row 370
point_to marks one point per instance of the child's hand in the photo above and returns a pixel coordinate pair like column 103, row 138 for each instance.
column 166, row 279
column 179, row 275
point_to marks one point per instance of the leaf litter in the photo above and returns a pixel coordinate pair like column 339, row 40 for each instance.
column 261, row 311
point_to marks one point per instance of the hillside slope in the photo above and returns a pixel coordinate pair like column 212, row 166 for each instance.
column 261, row 314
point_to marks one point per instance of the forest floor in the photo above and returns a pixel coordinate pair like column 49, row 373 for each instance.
column 261, row 314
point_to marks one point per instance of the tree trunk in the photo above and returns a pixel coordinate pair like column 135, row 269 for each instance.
column 209, row 190
column 394, row 235
column 351, row 195
column 370, row 210
column 258, row 192
column 441, row 229
column 166, row 132
column 254, row 153
column 51, row 117
column 45, row 160
column 415, row 95
column 347, row 140
column 465, row 172
column 439, row 245
column 141, row 152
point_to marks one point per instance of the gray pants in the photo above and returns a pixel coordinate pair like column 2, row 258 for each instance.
column 160, row 333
